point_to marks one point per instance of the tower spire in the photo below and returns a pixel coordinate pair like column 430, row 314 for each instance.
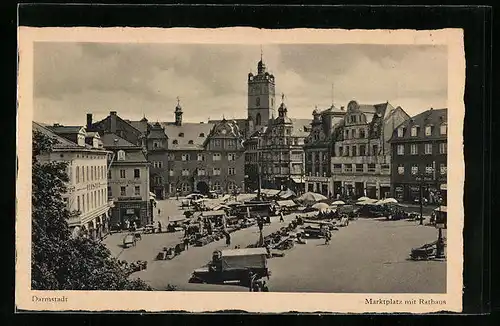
column 261, row 52
column 178, row 100
column 333, row 85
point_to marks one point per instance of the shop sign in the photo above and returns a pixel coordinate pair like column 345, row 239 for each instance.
column 93, row 186
column 125, row 182
column 130, row 211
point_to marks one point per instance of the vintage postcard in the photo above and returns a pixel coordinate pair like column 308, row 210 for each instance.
column 188, row 169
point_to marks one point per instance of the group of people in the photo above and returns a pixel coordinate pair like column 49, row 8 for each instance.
column 257, row 285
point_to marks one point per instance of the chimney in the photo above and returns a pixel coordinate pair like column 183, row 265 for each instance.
column 112, row 116
column 89, row 121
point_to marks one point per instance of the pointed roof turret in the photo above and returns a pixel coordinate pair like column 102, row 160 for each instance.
column 178, row 108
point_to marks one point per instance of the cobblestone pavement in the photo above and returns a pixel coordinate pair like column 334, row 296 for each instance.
column 367, row 256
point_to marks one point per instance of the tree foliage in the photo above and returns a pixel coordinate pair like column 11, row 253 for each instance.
column 58, row 260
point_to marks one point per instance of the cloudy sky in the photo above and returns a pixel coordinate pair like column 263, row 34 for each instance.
column 72, row 79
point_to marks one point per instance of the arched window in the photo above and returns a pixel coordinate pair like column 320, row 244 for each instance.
column 121, row 155
column 202, row 134
column 181, row 134
column 190, row 142
column 257, row 101
column 175, row 142
column 258, row 119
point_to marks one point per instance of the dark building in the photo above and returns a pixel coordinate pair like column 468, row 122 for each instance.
column 318, row 149
column 419, row 157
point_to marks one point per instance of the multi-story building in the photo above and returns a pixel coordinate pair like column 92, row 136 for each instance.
column 157, row 155
column 318, row 149
column 86, row 194
column 419, row 157
column 281, row 152
column 362, row 157
column 128, row 182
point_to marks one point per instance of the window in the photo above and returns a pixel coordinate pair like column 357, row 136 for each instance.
column 354, row 151
column 158, row 164
column 428, row 168
column 371, row 167
column 414, row 131
column 201, row 157
column 230, row 171
column 359, row 168
column 362, row 133
column 190, row 142
column 83, row 174
column 428, row 130
column 257, row 101
column 122, row 174
column 88, row 174
column 83, row 203
column 346, row 153
column 428, row 149
column 347, row 134
column 201, row 172
column 121, row 155
column 443, row 148
column 216, row 186
column 77, row 174
column 362, row 150
column 217, row 142
column 413, row 149
column 337, row 168
column 231, row 142
column 258, row 119
column 353, row 118
column 185, row 157
column 216, row 157
column 340, row 153
column 443, row 169
column 156, row 144
column 185, row 172
column 347, row 167
column 385, row 167
column 401, row 149
column 216, row 171
column 88, row 202
column 181, row 134
column 414, row 169
column 123, row 191
column 185, row 187
column 375, row 150
column 137, row 173
column 443, row 129
column 231, row 157
column 109, row 191
column 158, row 180
column 78, row 203
column 401, row 169
column 401, row 132
column 171, row 172
column 109, row 174
column 354, row 133
column 202, row 135
column 137, row 190
column 175, row 142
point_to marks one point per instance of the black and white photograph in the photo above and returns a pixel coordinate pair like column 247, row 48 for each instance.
column 265, row 166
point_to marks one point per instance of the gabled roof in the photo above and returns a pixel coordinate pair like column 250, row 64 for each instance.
column 195, row 132
column 298, row 127
column 113, row 140
column 433, row 117
column 132, row 155
column 61, row 142
column 58, row 129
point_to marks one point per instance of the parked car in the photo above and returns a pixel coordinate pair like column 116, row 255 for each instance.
column 195, row 196
column 233, row 265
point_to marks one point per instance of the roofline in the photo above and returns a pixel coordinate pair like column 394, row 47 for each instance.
column 82, row 149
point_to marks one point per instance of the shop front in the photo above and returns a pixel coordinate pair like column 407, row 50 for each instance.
column 125, row 213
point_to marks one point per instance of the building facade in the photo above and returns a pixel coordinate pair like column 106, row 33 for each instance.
column 419, row 157
column 319, row 148
column 282, row 153
column 361, row 162
column 128, row 182
column 86, row 195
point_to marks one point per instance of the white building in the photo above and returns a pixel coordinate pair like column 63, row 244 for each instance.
column 87, row 171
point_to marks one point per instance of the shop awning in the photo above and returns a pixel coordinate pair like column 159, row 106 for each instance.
column 297, row 179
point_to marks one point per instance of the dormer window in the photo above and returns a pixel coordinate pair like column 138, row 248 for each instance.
column 443, row 129
column 181, row 134
column 190, row 142
column 428, row 130
column 175, row 142
column 401, row 132
column 202, row 135
column 121, row 155
column 414, row 131
column 156, row 144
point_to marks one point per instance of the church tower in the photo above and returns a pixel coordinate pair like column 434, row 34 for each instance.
column 261, row 96
column 178, row 113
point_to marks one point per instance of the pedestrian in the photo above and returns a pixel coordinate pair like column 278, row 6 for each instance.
column 264, row 287
column 281, row 217
column 186, row 243
column 159, row 211
column 327, row 237
column 250, row 280
column 127, row 225
column 159, row 227
column 228, row 239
